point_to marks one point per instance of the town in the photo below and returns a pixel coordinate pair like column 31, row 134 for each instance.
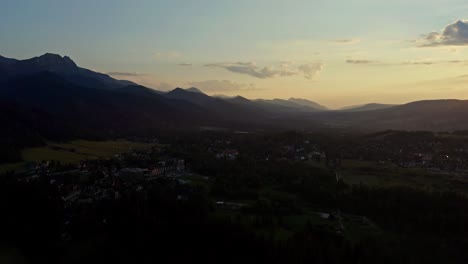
column 272, row 186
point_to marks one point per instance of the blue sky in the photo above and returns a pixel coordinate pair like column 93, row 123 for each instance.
column 335, row 52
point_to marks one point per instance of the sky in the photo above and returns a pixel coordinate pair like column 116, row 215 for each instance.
column 337, row 53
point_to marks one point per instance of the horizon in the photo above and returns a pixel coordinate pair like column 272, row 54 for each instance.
column 258, row 49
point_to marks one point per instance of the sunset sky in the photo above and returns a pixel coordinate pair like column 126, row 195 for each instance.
column 336, row 53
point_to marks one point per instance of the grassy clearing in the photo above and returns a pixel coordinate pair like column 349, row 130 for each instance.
column 388, row 175
column 74, row 152
column 10, row 167
column 356, row 228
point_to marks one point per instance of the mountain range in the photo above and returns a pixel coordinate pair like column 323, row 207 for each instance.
column 51, row 98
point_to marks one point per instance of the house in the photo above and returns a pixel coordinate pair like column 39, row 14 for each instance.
column 229, row 154
column 133, row 173
column 72, row 197
column 180, row 165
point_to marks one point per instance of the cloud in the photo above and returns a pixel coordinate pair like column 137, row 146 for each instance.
column 426, row 62
column 285, row 69
column 310, row 70
column 185, row 64
column 433, row 62
column 455, row 34
column 421, row 62
column 361, row 61
column 123, row 74
column 211, row 86
column 346, row 41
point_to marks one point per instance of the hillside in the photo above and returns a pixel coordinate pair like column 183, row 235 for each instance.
column 432, row 115
column 366, row 107
column 308, row 103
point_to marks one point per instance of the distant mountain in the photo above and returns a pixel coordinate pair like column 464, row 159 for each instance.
column 275, row 105
column 222, row 96
column 284, row 105
column 430, row 115
column 139, row 90
column 189, row 96
column 194, row 90
column 366, row 107
column 280, row 102
column 239, row 100
column 58, row 78
column 437, row 115
column 308, row 103
column 96, row 108
column 61, row 66
column 247, row 104
column 228, row 108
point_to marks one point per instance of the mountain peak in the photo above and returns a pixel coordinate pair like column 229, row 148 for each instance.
column 188, row 91
column 50, row 55
column 53, row 60
column 64, row 66
column 240, row 99
column 194, row 90
column 177, row 90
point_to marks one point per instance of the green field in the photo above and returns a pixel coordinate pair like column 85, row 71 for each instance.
column 356, row 228
column 74, row 151
column 387, row 175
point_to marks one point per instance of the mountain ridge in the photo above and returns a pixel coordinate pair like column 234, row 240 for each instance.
column 49, row 94
column 63, row 66
column 366, row 107
column 309, row 103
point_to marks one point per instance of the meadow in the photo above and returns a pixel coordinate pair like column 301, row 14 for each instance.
column 387, row 175
column 73, row 152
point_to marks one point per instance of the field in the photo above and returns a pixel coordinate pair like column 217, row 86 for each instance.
column 74, row 151
column 387, row 175
column 355, row 228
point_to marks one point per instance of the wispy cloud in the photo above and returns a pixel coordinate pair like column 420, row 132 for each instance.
column 421, row 62
column 433, row 62
column 409, row 62
column 346, row 41
column 185, row 64
column 211, row 86
column 455, row 34
column 285, row 69
column 361, row 61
